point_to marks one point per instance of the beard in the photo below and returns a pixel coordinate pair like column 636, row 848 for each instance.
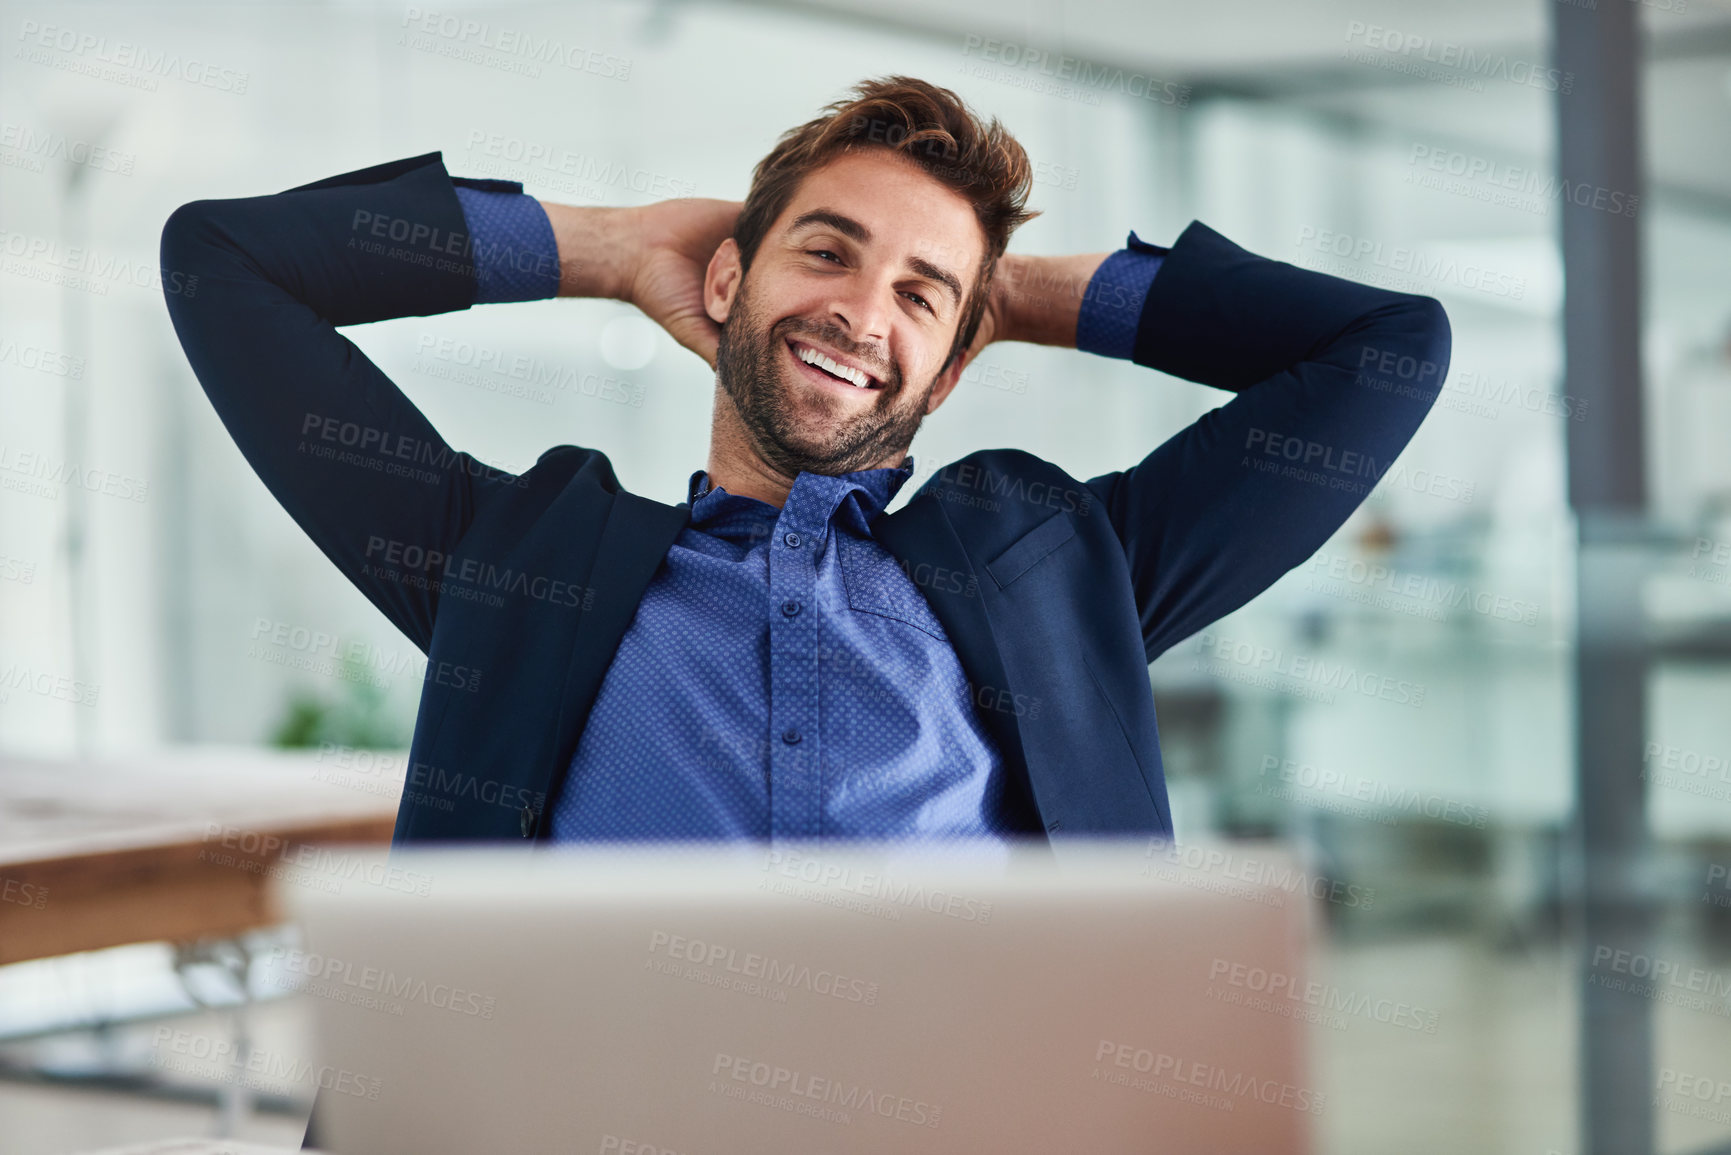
column 752, row 368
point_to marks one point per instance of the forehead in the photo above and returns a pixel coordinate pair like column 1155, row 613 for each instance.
column 905, row 208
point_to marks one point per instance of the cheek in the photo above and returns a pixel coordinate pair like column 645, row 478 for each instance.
column 922, row 361
column 789, row 297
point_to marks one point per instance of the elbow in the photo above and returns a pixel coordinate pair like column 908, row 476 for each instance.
column 1407, row 347
column 183, row 232
column 1435, row 333
column 184, row 252
column 1432, row 338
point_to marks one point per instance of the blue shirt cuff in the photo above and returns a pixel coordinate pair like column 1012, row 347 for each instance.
column 516, row 256
column 1112, row 306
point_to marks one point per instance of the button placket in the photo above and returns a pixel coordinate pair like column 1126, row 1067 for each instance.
column 795, row 794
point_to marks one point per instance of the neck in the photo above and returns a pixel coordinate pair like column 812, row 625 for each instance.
column 735, row 465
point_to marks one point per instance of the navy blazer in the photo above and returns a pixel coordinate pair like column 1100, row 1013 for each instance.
column 1056, row 593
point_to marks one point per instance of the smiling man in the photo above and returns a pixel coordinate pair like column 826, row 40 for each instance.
column 777, row 658
column 828, row 373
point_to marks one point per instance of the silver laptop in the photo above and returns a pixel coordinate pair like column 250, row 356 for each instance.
column 1128, row 998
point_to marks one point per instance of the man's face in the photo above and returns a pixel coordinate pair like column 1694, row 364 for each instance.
column 869, row 266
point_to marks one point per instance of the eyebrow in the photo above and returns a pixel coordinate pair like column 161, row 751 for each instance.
column 855, row 231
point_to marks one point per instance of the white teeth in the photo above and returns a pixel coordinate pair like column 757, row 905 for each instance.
column 853, row 376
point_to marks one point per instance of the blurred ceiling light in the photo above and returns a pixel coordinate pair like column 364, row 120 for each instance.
column 628, row 343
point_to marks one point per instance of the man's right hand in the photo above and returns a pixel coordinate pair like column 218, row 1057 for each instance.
column 654, row 256
column 678, row 238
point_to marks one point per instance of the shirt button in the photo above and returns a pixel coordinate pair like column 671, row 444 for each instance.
column 789, row 609
column 791, row 737
column 791, row 540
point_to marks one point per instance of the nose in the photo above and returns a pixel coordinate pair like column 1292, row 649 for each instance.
column 864, row 307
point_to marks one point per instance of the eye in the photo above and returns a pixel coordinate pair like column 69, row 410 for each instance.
column 823, row 253
column 920, row 301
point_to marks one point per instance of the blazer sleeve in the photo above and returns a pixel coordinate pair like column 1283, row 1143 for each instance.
column 257, row 288
column 1332, row 380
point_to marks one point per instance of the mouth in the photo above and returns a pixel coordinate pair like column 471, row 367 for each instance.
column 831, row 371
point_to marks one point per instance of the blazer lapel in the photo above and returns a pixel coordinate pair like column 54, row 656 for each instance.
column 920, row 536
column 634, row 540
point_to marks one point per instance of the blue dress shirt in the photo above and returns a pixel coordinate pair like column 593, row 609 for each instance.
column 783, row 679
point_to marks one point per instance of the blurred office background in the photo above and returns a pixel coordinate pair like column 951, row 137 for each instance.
column 172, row 604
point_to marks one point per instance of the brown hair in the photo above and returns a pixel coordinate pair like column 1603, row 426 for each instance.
column 929, row 126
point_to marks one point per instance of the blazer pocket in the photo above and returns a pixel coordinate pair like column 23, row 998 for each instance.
column 1026, row 551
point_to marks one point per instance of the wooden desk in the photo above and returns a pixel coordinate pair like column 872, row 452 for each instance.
column 173, row 846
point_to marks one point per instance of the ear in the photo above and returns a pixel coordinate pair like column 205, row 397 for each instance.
column 947, row 381
column 721, row 281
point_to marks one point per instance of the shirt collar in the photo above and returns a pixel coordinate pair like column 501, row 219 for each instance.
column 875, row 489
